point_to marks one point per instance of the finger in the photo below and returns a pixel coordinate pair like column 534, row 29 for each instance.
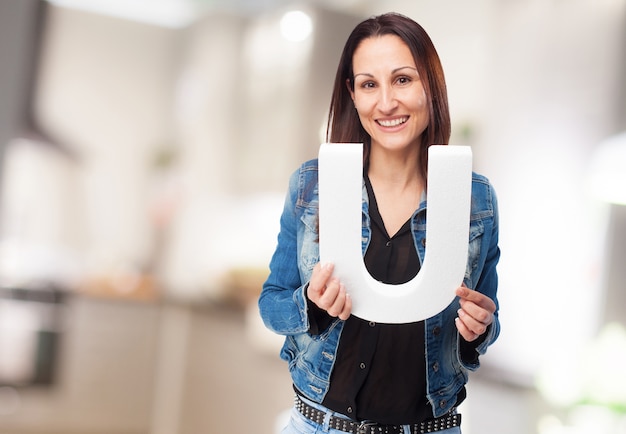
column 337, row 308
column 332, row 299
column 476, row 297
column 474, row 325
column 347, row 306
column 328, row 294
column 467, row 334
column 319, row 277
column 478, row 313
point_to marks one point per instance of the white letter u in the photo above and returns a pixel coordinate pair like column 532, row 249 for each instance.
column 447, row 232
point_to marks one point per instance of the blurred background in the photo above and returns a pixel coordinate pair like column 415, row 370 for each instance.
column 145, row 148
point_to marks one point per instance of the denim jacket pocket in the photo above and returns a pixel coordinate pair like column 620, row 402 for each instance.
column 477, row 229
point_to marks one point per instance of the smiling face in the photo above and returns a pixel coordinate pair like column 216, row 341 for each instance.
column 388, row 94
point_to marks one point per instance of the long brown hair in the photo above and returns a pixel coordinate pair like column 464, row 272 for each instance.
column 344, row 125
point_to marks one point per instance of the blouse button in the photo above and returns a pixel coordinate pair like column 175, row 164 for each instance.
column 437, row 331
column 372, row 324
column 362, row 365
column 443, row 403
column 349, row 410
column 388, row 244
column 436, row 366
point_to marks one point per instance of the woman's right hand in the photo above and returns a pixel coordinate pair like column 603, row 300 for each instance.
column 328, row 293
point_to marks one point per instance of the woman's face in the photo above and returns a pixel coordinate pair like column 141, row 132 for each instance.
column 388, row 93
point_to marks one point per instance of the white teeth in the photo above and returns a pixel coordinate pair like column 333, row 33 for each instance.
column 392, row 123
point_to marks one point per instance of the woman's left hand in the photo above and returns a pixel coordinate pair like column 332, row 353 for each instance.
column 475, row 314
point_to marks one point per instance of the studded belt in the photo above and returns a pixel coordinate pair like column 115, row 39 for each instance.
column 366, row 427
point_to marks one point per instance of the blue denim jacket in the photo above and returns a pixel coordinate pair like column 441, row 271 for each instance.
column 283, row 303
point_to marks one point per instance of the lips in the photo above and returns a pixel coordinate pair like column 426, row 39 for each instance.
column 392, row 122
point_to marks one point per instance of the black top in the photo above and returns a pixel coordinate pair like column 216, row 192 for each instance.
column 379, row 373
column 380, row 370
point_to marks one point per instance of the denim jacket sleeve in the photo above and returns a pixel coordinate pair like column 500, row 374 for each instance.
column 487, row 281
column 282, row 302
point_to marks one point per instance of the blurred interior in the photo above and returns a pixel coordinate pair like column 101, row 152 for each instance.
column 145, row 148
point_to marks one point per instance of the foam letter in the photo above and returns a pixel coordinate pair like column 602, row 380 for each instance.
column 447, row 233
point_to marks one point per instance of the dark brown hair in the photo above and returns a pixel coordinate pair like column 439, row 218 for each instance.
column 344, row 125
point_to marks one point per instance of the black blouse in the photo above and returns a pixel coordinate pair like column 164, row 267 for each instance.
column 380, row 370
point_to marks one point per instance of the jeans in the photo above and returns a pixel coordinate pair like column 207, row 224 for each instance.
column 298, row 424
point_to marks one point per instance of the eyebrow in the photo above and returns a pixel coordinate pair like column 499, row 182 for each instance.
column 393, row 71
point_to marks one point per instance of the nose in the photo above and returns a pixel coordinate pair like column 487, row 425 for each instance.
column 387, row 102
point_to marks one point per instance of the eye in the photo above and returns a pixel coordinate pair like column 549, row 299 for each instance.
column 368, row 85
column 403, row 80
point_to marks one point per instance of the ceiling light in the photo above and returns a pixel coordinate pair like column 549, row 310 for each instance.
column 165, row 13
column 296, row 26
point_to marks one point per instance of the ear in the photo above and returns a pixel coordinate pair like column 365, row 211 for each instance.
column 350, row 88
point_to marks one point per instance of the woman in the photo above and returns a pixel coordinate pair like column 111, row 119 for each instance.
column 351, row 375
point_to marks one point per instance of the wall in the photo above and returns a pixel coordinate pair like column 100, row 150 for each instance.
column 533, row 86
column 106, row 92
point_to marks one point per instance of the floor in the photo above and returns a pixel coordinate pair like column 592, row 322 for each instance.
column 235, row 387
column 254, row 401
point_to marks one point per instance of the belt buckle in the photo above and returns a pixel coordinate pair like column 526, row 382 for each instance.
column 362, row 428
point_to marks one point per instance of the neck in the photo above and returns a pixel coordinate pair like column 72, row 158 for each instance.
column 397, row 185
column 398, row 170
